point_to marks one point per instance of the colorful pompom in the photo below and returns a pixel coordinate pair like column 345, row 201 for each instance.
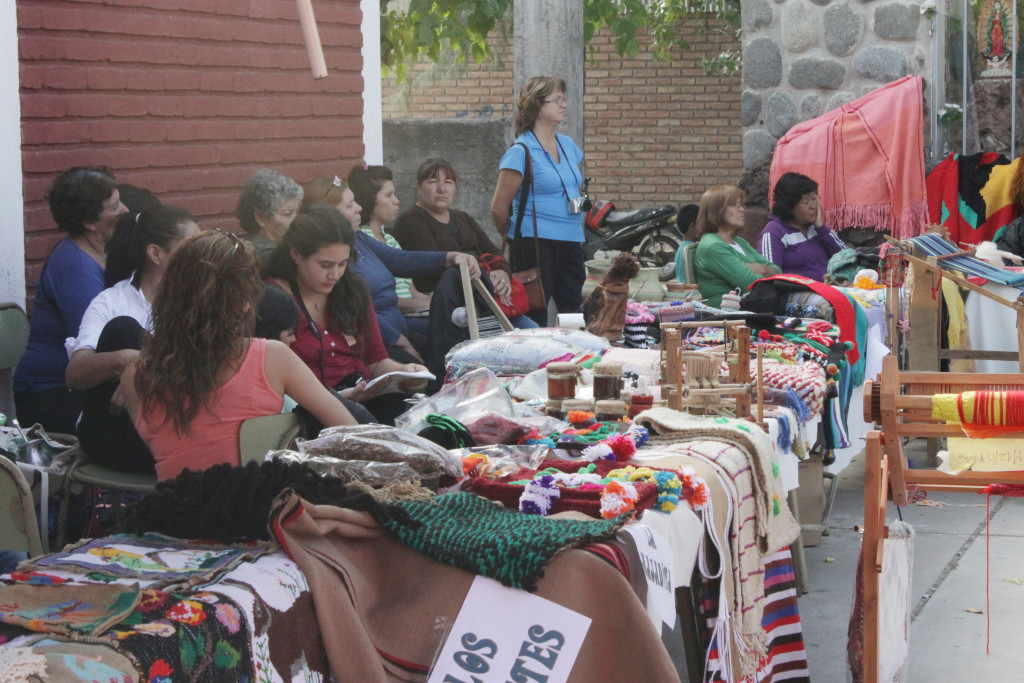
column 622, row 446
column 598, row 451
column 539, row 496
column 619, row 497
column 578, row 417
column 640, row 435
column 694, row 489
column 764, row 334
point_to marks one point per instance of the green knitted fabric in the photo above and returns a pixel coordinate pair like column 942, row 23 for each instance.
column 473, row 533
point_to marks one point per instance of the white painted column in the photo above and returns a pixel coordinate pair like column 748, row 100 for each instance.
column 373, row 126
column 12, row 230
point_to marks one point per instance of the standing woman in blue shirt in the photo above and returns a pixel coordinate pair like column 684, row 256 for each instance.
column 555, row 161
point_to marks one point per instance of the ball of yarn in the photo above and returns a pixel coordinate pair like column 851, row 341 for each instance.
column 869, row 274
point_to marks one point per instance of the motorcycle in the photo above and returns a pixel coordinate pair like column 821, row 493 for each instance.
column 649, row 233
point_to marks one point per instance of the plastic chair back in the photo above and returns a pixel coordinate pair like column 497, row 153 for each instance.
column 689, row 265
column 259, row 435
column 19, row 529
column 13, row 334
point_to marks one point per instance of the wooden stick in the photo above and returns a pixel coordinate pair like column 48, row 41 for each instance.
column 760, row 384
column 314, row 50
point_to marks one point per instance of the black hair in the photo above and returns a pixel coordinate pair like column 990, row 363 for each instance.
column 276, row 313
column 789, row 190
column 320, row 226
column 137, row 199
column 365, row 183
column 686, row 217
column 126, row 251
column 226, row 503
column 77, row 197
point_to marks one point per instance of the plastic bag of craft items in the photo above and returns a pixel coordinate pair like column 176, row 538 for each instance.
column 500, row 460
column 476, row 391
column 580, row 340
column 383, row 444
column 490, row 427
column 369, row 472
column 506, row 355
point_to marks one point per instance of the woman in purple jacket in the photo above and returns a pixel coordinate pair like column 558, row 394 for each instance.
column 795, row 239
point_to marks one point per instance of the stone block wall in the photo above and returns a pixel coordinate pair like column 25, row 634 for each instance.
column 802, row 58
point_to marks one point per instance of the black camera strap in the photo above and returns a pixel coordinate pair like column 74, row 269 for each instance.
column 561, row 151
column 517, row 235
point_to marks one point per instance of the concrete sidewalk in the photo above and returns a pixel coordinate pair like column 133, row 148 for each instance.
column 947, row 641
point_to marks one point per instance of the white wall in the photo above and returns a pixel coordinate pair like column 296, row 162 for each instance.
column 12, row 229
column 373, row 135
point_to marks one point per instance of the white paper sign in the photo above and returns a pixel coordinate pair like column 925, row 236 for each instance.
column 503, row 634
column 658, row 564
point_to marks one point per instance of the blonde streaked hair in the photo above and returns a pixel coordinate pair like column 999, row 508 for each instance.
column 531, row 99
column 712, row 207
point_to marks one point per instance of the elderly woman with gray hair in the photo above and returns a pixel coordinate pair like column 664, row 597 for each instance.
column 266, row 208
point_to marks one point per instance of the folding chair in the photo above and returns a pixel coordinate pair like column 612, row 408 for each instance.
column 467, row 292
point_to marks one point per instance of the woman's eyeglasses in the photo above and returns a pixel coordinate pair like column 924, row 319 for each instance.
column 337, row 182
column 560, row 99
column 234, row 249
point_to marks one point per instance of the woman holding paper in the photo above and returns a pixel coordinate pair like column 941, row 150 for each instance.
column 202, row 374
column 338, row 337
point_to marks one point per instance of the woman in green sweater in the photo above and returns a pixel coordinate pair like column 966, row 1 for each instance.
column 725, row 261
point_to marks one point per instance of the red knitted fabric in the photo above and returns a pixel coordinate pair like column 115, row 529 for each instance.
column 846, row 319
column 587, row 501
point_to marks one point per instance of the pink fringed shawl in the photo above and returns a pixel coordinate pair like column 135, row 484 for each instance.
column 868, row 159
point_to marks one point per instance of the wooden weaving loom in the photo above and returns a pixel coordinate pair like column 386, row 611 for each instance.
column 678, row 386
column 901, row 403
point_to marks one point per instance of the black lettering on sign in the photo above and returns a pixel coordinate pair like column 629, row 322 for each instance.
column 656, row 572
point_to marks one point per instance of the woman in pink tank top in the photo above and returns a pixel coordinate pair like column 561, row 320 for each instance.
column 201, row 374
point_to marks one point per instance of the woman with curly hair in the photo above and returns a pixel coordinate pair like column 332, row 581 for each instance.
column 266, row 207
column 554, row 211
column 338, row 336
column 202, row 374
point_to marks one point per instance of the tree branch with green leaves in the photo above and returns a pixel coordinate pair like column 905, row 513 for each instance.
column 418, row 28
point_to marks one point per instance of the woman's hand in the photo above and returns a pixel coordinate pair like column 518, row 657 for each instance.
column 117, row 401
column 417, row 303
column 762, row 270
column 454, row 258
column 502, row 286
column 359, row 393
column 411, row 386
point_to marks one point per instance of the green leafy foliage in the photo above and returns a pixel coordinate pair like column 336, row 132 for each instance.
column 428, row 27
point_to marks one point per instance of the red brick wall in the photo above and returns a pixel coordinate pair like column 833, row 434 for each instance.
column 185, row 97
column 655, row 131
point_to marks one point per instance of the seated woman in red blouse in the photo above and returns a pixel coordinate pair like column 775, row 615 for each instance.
column 202, row 374
column 337, row 337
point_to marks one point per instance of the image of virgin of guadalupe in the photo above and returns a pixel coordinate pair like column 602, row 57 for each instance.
column 995, row 38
